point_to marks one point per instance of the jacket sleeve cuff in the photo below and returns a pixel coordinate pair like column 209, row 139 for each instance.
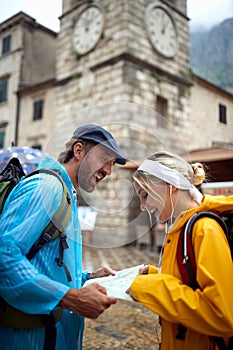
column 86, row 275
column 152, row 269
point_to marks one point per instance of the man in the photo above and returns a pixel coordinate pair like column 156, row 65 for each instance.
column 40, row 285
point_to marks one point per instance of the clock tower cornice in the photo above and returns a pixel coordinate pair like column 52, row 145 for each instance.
column 72, row 9
column 173, row 8
column 127, row 57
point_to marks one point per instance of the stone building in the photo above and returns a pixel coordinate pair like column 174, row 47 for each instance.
column 27, row 58
column 124, row 65
column 211, row 115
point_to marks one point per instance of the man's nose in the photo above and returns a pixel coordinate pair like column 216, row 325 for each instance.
column 107, row 167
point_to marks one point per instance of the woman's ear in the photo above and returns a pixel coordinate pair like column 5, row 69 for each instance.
column 79, row 151
column 172, row 189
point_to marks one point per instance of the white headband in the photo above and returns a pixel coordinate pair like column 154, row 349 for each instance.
column 170, row 176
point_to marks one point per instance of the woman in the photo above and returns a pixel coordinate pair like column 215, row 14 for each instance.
column 165, row 185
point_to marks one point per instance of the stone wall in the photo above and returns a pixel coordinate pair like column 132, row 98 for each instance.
column 116, row 85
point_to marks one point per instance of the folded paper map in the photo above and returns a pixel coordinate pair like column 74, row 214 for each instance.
column 117, row 285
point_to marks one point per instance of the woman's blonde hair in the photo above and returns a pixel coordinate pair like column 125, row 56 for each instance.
column 195, row 173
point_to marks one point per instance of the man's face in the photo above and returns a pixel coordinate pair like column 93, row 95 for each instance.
column 95, row 165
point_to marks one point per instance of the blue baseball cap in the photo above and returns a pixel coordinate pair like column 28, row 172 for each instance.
column 97, row 134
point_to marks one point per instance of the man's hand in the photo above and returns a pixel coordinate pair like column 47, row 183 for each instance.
column 103, row 271
column 88, row 301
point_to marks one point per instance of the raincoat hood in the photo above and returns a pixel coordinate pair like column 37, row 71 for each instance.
column 216, row 204
column 51, row 163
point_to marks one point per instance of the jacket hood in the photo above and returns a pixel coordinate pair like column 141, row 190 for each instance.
column 216, row 204
column 51, row 163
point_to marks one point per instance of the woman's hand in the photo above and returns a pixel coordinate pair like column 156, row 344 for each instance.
column 143, row 270
column 103, row 271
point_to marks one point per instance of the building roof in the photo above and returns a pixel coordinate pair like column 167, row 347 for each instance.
column 20, row 18
column 206, row 155
column 212, row 154
column 210, row 85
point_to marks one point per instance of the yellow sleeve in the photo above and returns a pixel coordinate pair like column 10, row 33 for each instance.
column 152, row 269
column 208, row 310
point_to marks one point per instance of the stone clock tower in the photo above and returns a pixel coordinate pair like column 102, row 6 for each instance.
column 124, row 65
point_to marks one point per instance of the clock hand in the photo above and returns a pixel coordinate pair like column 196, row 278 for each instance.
column 84, row 21
column 163, row 24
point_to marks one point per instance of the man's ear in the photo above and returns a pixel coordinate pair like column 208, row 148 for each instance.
column 79, row 151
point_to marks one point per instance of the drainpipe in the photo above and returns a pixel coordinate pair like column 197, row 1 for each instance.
column 17, row 119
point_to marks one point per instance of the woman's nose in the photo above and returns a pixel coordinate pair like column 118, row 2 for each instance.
column 142, row 205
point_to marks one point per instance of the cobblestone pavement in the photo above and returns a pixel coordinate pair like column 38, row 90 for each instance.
column 128, row 324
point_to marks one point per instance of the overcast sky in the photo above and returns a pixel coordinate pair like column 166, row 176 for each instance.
column 202, row 13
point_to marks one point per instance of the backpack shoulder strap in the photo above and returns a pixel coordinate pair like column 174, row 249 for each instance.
column 63, row 214
column 227, row 216
column 56, row 227
column 185, row 253
column 187, row 264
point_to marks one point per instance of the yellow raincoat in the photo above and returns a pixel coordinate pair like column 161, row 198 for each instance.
column 207, row 311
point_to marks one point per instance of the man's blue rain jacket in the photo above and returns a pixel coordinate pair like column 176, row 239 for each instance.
column 37, row 286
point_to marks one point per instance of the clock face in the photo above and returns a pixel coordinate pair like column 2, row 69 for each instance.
column 161, row 30
column 88, row 29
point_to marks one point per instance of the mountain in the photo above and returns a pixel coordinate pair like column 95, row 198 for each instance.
column 211, row 54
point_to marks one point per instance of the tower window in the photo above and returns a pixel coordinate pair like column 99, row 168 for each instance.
column 38, row 110
column 161, row 109
column 37, row 146
column 2, row 136
column 6, row 44
column 222, row 114
column 3, row 91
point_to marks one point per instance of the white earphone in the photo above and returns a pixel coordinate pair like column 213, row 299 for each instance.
column 170, row 188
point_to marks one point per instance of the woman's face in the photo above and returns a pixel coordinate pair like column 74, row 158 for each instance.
column 156, row 199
